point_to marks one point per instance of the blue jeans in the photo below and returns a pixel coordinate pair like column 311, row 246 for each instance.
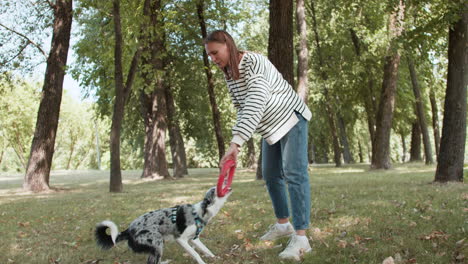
column 284, row 169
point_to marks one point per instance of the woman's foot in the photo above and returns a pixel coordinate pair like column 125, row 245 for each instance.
column 297, row 247
column 277, row 230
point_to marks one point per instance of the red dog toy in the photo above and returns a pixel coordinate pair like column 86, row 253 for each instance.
column 225, row 177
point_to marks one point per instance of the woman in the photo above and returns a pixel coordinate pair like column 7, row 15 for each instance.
column 267, row 104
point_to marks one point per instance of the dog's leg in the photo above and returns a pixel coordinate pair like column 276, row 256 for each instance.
column 152, row 259
column 183, row 242
column 158, row 245
column 198, row 244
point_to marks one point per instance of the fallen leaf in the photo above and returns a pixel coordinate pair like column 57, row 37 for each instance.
column 25, row 224
column 460, row 242
column 388, row 260
column 342, row 243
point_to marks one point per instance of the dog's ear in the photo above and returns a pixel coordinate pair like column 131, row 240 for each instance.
column 204, row 206
column 208, row 200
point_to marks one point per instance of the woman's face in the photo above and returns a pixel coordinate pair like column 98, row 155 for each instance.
column 218, row 53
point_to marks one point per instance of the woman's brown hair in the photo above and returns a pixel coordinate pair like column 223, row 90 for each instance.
column 231, row 71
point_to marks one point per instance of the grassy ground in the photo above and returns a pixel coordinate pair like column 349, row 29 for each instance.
column 358, row 216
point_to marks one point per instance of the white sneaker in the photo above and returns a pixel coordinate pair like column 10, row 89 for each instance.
column 275, row 232
column 296, row 248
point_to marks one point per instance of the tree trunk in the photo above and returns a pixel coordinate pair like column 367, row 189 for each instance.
column 381, row 144
column 312, row 155
column 361, row 155
column 211, row 92
column 258, row 174
column 368, row 98
column 328, row 100
column 179, row 157
column 403, row 145
column 347, row 157
column 122, row 92
column 302, row 52
column 98, row 152
column 115, row 171
column 420, row 113
column 155, row 113
column 452, row 144
column 70, row 156
column 251, row 162
column 415, row 152
column 435, row 122
column 280, row 40
column 42, row 147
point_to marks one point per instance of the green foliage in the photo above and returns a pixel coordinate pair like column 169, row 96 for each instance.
column 424, row 38
column 24, row 28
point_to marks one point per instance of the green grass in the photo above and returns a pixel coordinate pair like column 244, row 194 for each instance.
column 358, row 216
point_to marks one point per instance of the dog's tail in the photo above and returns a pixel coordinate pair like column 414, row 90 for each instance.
column 106, row 241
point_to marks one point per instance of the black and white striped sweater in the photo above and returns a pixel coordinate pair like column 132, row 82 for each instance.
column 264, row 100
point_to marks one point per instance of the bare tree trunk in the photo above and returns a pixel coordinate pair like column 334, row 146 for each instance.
column 415, row 152
column 381, row 144
column 179, row 157
column 302, row 52
column 258, row 174
column 361, row 155
column 42, row 147
column 155, row 102
column 72, row 149
column 420, row 113
column 280, row 40
column 122, row 92
column 251, row 162
column 403, row 145
column 211, row 93
column 328, row 100
column 452, row 144
column 435, row 122
column 146, row 101
column 312, row 155
column 347, row 157
column 115, row 171
column 1, row 155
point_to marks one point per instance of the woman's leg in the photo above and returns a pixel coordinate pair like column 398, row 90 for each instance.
column 295, row 169
column 272, row 172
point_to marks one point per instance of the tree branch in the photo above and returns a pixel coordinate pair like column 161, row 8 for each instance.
column 14, row 57
column 25, row 37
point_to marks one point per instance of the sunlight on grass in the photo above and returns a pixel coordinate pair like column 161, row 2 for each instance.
column 358, row 216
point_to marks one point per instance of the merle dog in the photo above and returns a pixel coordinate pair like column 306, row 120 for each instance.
column 149, row 232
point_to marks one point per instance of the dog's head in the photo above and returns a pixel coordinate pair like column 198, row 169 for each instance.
column 212, row 203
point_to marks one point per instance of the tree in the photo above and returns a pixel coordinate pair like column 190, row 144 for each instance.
column 420, row 112
column 153, row 97
column 18, row 105
column 280, row 41
column 42, row 147
column 122, row 92
column 415, row 151
column 302, row 52
column 209, row 76
column 179, row 157
column 330, row 113
column 452, row 144
column 381, row 144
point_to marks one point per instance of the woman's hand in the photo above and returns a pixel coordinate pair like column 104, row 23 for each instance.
column 231, row 154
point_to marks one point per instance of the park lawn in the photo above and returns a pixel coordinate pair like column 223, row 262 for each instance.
column 358, row 216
